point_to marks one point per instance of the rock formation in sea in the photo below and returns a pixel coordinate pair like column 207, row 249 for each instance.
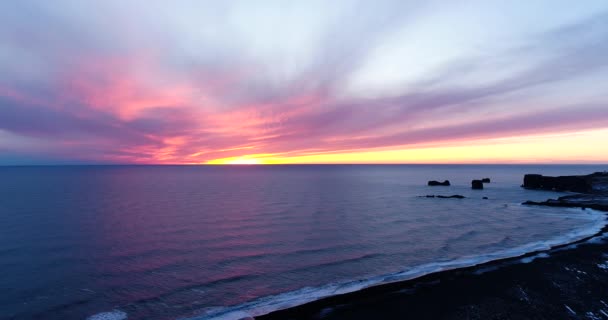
column 477, row 184
column 433, row 183
column 455, row 196
column 592, row 183
column 591, row 201
column 486, row 180
column 592, row 190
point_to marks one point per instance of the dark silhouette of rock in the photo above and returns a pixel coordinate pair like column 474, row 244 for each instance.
column 456, row 196
column 485, row 180
column 477, row 184
column 593, row 183
column 592, row 189
column 532, row 181
column 433, row 183
column 485, row 198
column 591, row 201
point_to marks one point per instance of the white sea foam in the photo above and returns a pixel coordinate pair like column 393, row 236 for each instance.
column 534, row 257
column 110, row 315
column 286, row 300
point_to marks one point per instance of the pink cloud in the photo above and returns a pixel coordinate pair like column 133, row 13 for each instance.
column 139, row 107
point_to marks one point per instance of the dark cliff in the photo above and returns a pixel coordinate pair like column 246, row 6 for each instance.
column 593, row 183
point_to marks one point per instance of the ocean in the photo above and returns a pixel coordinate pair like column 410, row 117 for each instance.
column 224, row 242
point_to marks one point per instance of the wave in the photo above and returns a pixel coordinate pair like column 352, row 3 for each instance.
column 268, row 304
column 110, row 315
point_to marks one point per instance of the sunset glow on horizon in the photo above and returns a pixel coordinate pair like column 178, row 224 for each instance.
column 237, row 161
column 520, row 150
column 269, row 82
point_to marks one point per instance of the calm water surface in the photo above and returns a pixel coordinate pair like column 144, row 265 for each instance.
column 164, row 242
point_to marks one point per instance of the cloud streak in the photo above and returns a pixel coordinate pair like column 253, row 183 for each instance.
column 136, row 91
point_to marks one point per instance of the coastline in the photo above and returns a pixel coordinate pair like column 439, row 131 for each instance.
column 333, row 304
column 376, row 296
column 372, row 297
column 569, row 281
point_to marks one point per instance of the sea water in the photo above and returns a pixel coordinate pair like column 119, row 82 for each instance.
column 223, row 242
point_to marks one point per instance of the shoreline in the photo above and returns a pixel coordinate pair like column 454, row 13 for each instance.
column 435, row 295
column 495, row 289
column 317, row 307
column 409, row 280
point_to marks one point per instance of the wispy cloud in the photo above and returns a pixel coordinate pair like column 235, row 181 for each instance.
column 128, row 88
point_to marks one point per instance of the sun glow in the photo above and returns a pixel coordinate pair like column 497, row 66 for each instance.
column 582, row 147
column 244, row 161
column 237, row 161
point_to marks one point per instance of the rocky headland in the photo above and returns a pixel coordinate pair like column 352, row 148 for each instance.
column 591, row 190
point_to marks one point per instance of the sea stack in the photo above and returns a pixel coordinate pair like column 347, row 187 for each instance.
column 485, row 180
column 433, row 183
column 477, row 184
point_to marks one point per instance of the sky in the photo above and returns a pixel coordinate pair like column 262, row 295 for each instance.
column 229, row 82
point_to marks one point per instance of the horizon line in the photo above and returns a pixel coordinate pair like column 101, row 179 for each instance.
column 296, row 164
